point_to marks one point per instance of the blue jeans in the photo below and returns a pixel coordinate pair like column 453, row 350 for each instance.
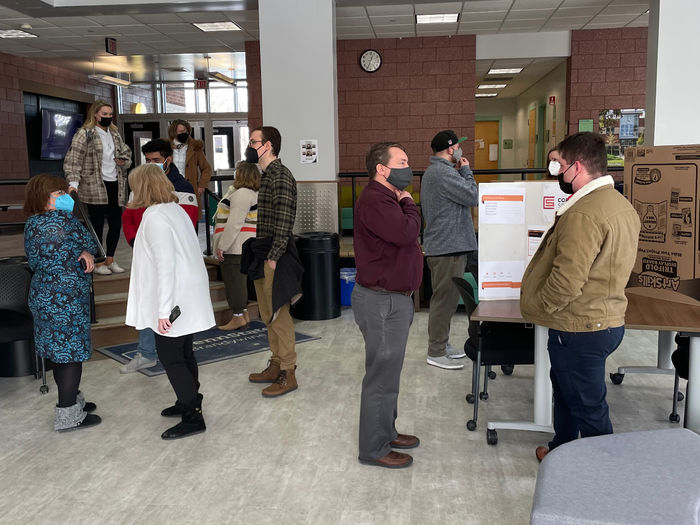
column 578, row 382
column 147, row 344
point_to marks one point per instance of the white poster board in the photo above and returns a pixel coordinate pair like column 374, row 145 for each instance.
column 513, row 218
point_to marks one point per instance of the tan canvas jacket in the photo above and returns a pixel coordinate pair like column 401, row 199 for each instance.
column 576, row 280
column 83, row 164
column 195, row 163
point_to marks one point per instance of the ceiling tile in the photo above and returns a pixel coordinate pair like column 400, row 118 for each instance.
column 476, row 25
column 535, row 4
column 614, row 19
column 52, row 32
column 584, row 3
column 530, row 14
column 349, row 11
column 636, row 10
column 444, row 29
column 136, row 29
column 243, row 16
column 352, row 22
column 393, row 33
column 487, row 16
column 487, row 5
column 525, row 24
column 161, row 18
column 476, row 31
column 567, row 12
column 602, row 25
column 113, row 20
column 438, row 8
column 203, row 17
column 72, row 21
column 389, row 20
column 175, row 29
column 34, row 22
column 390, row 10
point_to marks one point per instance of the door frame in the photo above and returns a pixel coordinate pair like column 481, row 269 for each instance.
column 499, row 118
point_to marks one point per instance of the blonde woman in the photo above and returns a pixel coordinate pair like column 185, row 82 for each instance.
column 188, row 155
column 236, row 219
column 169, row 291
column 95, row 167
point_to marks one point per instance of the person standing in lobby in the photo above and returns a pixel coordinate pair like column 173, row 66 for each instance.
column 277, row 205
column 387, row 224
column 95, row 167
column 189, row 157
column 448, row 192
column 575, row 286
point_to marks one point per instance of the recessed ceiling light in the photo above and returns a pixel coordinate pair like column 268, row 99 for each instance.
column 486, row 95
column 437, row 19
column 505, row 71
column 492, row 86
column 15, row 33
column 218, row 26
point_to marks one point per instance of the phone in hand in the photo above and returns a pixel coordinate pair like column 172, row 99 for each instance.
column 83, row 264
column 174, row 314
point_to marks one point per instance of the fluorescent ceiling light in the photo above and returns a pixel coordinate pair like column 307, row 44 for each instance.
column 492, row 86
column 478, row 95
column 506, row 71
column 15, row 33
column 221, row 78
column 437, row 19
column 106, row 79
column 217, row 26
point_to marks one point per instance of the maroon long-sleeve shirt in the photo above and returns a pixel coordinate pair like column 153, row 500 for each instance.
column 387, row 253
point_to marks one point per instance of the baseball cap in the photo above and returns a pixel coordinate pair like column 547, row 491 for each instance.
column 444, row 139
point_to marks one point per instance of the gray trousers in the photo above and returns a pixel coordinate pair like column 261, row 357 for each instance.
column 384, row 319
column 444, row 301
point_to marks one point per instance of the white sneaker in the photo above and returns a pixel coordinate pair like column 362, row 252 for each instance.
column 137, row 363
column 116, row 268
column 444, row 362
column 454, row 353
column 102, row 269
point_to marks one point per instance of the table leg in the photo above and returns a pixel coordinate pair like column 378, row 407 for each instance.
column 543, row 393
column 666, row 346
column 692, row 397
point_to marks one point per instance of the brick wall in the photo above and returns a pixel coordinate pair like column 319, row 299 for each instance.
column 606, row 70
column 13, row 140
column 135, row 94
column 424, row 85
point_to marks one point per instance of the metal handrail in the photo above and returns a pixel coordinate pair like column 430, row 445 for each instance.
column 207, row 219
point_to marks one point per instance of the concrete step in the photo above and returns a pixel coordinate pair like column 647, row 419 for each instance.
column 114, row 304
column 119, row 282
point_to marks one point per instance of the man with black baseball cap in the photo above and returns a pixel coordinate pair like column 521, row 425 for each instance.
column 448, row 191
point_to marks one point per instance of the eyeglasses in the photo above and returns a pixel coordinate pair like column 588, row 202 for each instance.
column 253, row 142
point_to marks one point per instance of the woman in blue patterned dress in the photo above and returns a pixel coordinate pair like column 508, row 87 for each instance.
column 59, row 250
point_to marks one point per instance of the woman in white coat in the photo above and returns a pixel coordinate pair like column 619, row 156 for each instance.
column 168, row 276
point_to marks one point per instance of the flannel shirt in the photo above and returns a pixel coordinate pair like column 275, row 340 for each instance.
column 277, row 207
column 83, row 164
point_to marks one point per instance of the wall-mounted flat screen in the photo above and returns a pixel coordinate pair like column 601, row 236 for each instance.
column 57, row 130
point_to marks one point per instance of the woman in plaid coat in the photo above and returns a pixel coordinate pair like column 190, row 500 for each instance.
column 95, row 167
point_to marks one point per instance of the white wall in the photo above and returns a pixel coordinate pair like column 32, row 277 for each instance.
column 553, row 84
column 505, row 109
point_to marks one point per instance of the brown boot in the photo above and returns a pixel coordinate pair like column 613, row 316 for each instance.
column 286, row 382
column 269, row 375
column 237, row 322
column 247, row 316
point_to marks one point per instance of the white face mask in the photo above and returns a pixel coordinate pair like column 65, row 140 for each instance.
column 457, row 154
column 554, row 168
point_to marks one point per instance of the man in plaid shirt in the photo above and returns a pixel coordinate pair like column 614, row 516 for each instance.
column 277, row 205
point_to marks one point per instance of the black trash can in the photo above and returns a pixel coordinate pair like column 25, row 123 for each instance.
column 320, row 254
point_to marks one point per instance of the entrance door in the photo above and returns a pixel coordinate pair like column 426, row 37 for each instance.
column 223, row 147
column 485, row 140
column 136, row 134
column 531, row 137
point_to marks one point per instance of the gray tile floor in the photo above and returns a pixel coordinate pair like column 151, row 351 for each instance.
column 292, row 459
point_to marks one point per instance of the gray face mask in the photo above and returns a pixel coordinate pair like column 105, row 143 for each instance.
column 457, row 154
column 400, row 177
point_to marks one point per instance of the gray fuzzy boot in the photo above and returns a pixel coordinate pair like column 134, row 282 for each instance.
column 85, row 405
column 73, row 417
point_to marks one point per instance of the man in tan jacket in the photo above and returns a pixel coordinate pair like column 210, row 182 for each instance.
column 575, row 286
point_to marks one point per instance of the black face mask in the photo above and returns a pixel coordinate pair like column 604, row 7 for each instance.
column 566, row 187
column 251, row 155
column 105, row 122
column 182, row 137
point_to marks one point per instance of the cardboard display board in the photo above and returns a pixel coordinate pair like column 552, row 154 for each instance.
column 513, row 218
column 661, row 182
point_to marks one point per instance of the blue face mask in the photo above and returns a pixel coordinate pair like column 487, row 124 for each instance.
column 64, row 203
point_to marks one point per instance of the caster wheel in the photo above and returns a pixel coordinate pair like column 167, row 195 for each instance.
column 483, row 396
column 492, row 375
column 44, row 389
column 507, row 369
column 491, row 437
column 470, row 399
column 680, row 397
column 471, row 425
column 616, row 378
column 674, row 418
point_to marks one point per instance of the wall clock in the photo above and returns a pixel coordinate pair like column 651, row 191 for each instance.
column 370, row 60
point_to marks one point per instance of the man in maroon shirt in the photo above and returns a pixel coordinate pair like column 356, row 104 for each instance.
column 389, row 267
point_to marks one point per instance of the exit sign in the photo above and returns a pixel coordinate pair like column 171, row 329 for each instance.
column 111, row 46
column 200, row 84
column 552, row 100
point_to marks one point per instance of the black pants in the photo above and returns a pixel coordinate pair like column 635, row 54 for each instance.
column 177, row 357
column 67, row 377
column 113, row 212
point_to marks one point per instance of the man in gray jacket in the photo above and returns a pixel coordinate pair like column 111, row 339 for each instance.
column 448, row 191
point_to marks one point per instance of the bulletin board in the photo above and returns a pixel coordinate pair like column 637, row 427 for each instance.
column 513, row 218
